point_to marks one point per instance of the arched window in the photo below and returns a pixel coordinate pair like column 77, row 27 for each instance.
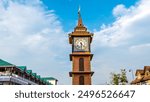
column 81, row 80
column 81, row 64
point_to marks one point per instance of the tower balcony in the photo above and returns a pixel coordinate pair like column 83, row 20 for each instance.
column 81, row 72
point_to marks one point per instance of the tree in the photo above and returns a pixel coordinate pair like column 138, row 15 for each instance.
column 119, row 78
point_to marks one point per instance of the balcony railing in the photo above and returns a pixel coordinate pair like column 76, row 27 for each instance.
column 16, row 79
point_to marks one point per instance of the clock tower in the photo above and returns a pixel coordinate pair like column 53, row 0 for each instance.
column 81, row 55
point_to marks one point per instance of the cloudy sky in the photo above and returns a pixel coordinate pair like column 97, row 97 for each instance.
column 35, row 33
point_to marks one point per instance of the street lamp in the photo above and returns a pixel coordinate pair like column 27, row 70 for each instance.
column 130, row 70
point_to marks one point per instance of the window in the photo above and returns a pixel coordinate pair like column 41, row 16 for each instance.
column 81, row 64
column 81, row 80
column 16, row 73
column 2, row 69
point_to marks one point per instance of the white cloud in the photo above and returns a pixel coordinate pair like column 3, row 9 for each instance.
column 132, row 24
column 31, row 35
column 26, row 25
column 120, row 10
column 124, row 43
column 144, row 48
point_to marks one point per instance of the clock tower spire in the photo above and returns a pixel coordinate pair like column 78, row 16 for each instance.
column 79, row 18
column 81, row 55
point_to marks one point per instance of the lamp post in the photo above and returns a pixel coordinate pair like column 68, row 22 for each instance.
column 130, row 70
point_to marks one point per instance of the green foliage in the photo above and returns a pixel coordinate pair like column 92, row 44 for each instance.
column 119, row 78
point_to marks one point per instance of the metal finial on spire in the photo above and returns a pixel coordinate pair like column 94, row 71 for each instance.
column 79, row 9
column 79, row 15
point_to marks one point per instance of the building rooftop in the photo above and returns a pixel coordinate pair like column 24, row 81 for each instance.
column 22, row 68
column 4, row 63
column 142, row 75
column 49, row 78
column 30, row 72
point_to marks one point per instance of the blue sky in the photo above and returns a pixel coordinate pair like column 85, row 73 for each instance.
column 35, row 33
column 94, row 12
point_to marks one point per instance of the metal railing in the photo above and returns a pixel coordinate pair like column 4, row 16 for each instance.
column 15, row 78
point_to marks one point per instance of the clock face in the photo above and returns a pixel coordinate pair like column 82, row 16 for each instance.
column 81, row 44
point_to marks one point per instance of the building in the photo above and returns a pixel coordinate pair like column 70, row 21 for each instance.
column 142, row 76
column 51, row 80
column 11, row 74
column 81, row 55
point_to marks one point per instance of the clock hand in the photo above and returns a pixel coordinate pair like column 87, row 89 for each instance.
column 81, row 44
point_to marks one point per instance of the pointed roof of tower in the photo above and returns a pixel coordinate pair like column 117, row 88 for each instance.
column 80, row 24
